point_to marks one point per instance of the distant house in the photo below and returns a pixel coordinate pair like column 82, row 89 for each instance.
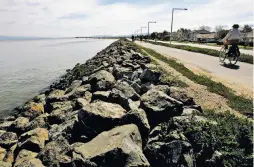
column 206, row 37
column 193, row 36
column 247, row 37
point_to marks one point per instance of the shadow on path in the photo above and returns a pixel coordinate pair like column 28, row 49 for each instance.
column 231, row 66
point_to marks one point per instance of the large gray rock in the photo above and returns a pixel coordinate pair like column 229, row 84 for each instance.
column 56, row 95
column 80, row 91
column 121, row 147
column 8, row 139
column 59, row 111
column 40, row 99
column 101, row 95
column 33, row 140
column 5, row 125
column 65, row 129
column 139, row 118
column 25, row 154
column 163, row 88
column 117, row 96
column 122, row 72
column 5, row 164
column 39, row 122
column 74, row 85
column 9, row 157
column 28, row 162
column 19, row 125
column 52, row 153
column 150, row 76
column 128, row 91
column 159, row 106
column 101, row 80
column 180, row 95
column 174, row 153
column 100, row 116
column 81, row 102
column 32, row 110
column 2, row 153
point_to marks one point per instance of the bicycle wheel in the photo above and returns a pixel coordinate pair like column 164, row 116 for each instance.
column 222, row 54
column 233, row 59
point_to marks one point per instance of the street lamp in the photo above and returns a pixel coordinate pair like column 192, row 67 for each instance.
column 148, row 26
column 141, row 30
column 173, row 19
column 137, row 31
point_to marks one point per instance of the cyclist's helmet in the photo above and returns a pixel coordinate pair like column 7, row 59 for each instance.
column 235, row 26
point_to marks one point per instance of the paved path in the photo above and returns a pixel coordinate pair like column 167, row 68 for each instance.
column 243, row 75
column 250, row 52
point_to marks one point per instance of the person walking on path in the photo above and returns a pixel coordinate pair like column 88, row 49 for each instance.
column 132, row 37
column 141, row 38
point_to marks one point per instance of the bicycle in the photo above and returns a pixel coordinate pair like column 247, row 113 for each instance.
column 232, row 56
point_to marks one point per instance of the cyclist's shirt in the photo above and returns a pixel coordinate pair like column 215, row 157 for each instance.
column 233, row 34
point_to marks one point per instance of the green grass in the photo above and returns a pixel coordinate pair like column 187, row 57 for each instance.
column 239, row 103
column 243, row 58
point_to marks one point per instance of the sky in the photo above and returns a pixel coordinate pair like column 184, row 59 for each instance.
column 70, row 18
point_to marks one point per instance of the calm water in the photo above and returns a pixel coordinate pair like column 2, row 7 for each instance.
column 26, row 67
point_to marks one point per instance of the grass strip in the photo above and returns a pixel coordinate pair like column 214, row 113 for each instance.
column 239, row 103
column 243, row 58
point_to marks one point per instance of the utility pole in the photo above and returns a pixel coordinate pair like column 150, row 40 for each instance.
column 141, row 30
column 148, row 26
column 172, row 20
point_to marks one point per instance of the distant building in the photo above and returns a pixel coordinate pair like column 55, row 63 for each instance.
column 247, row 37
column 206, row 37
column 193, row 36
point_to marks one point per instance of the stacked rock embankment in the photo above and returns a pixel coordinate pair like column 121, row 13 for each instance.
column 112, row 111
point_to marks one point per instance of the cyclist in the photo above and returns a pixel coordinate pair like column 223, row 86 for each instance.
column 232, row 38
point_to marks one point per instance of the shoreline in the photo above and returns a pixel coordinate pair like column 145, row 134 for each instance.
column 117, row 110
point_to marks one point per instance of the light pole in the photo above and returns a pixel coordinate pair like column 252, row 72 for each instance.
column 141, row 30
column 148, row 26
column 137, row 32
column 173, row 19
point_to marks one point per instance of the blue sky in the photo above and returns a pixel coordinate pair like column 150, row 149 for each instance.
column 66, row 18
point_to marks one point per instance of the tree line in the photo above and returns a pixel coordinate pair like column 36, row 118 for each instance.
column 184, row 33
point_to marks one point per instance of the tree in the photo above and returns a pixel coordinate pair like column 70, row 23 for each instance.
column 164, row 33
column 154, row 35
column 218, row 28
column 246, row 28
column 207, row 28
column 220, row 32
column 183, row 34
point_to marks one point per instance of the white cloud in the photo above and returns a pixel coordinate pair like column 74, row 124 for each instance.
column 50, row 17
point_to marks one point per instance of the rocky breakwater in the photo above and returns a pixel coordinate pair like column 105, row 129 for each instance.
column 112, row 111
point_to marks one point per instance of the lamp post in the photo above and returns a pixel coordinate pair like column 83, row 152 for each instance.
column 173, row 19
column 141, row 30
column 137, row 31
column 148, row 26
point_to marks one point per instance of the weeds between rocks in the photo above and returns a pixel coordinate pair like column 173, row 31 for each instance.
column 243, row 58
column 231, row 135
column 239, row 103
